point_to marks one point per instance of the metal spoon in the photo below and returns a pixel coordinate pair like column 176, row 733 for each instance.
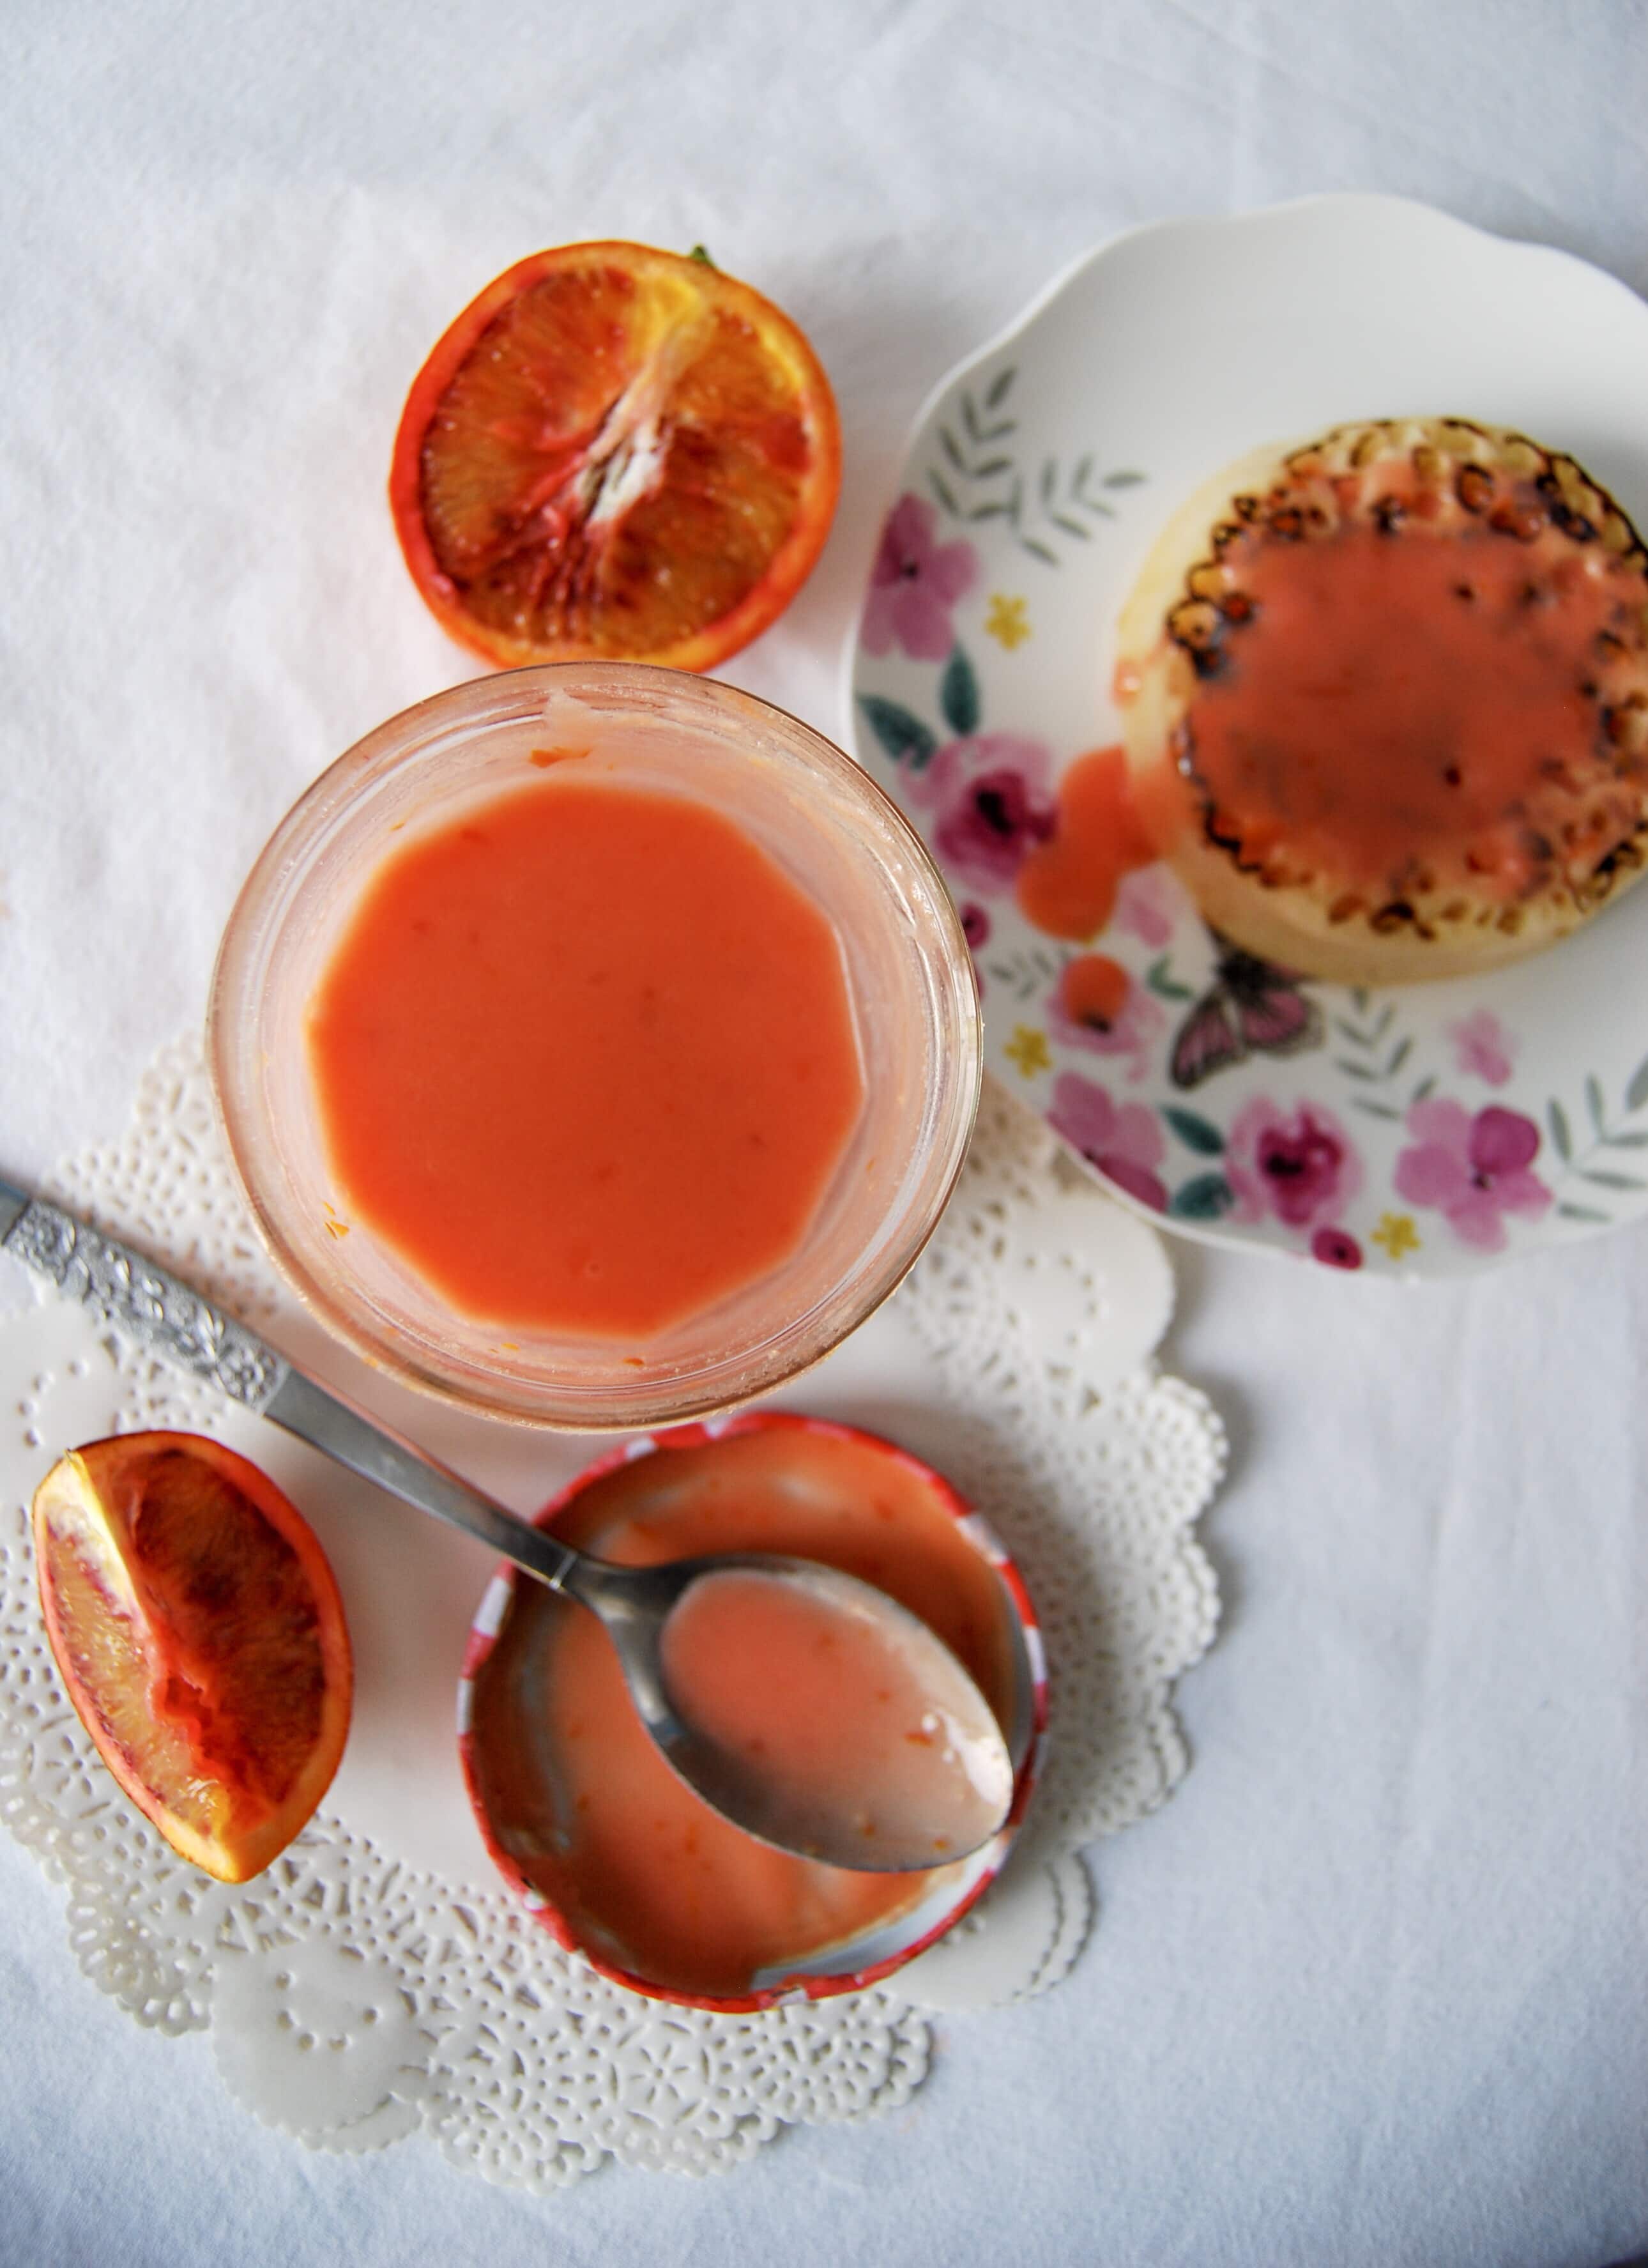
column 146, row 1304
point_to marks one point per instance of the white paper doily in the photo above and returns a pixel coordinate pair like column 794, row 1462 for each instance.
column 373, row 1982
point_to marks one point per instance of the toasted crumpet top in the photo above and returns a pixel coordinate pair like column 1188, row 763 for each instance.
column 1390, row 690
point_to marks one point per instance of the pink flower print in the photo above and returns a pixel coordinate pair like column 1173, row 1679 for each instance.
column 1472, row 1170
column 913, row 585
column 1336, row 1248
column 1124, row 1142
column 1144, row 907
column 992, row 795
column 1483, row 1048
column 1133, row 1031
column 1304, row 1169
column 976, row 927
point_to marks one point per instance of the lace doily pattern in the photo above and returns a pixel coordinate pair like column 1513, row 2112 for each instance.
column 1093, row 1472
column 354, row 2000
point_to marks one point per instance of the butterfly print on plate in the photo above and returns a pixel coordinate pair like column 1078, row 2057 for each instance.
column 1251, row 1008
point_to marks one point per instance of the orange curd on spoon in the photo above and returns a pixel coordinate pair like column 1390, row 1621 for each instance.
column 854, row 1722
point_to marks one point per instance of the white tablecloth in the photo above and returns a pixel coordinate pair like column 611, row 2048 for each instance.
column 1374, row 1987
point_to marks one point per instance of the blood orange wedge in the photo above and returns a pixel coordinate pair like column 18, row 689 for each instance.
column 616, row 453
column 200, row 1634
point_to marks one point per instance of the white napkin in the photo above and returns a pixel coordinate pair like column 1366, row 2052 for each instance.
column 1371, row 1988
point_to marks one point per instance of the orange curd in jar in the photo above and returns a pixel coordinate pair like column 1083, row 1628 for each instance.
column 585, row 1058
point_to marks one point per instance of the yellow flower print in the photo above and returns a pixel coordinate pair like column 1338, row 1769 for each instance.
column 1029, row 1051
column 1397, row 1234
column 1006, row 621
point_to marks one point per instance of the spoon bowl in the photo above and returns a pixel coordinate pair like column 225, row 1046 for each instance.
column 811, row 1709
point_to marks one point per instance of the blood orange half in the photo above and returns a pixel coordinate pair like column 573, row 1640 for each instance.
column 616, row 453
column 199, row 1632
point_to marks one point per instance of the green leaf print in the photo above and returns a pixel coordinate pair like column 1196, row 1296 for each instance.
column 959, row 695
column 900, row 733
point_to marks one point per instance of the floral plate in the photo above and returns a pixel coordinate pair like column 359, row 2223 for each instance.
column 1422, row 1130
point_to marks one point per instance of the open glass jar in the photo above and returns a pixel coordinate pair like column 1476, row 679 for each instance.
column 828, row 827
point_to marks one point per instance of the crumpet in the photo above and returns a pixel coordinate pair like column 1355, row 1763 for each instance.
column 1385, row 699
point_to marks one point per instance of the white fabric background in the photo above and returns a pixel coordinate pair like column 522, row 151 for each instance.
column 1374, row 1988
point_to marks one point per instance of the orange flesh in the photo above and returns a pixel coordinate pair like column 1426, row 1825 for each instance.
column 212, row 1701
column 576, row 1791
column 108, row 1655
column 1067, row 885
column 1407, row 711
column 629, row 447
column 585, row 1059
column 854, row 1722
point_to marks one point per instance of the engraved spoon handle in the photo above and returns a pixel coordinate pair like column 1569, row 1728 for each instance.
column 144, row 1304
